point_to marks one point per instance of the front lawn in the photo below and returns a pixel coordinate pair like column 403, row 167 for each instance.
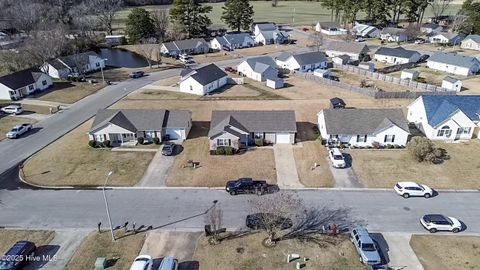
column 8, row 122
column 10, row 237
column 71, row 162
column 383, row 168
column 447, row 252
column 69, row 92
column 305, row 157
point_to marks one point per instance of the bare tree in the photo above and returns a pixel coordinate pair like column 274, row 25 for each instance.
column 413, row 31
column 214, row 219
column 438, row 7
column 161, row 22
column 316, row 41
column 148, row 51
column 105, row 11
column 276, row 212
column 349, row 36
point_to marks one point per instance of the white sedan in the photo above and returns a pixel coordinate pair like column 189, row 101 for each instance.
column 18, row 131
column 436, row 222
column 142, row 262
column 407, row 189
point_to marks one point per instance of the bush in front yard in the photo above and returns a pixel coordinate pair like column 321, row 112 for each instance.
column 140, row 140
column 92, row 143
column 156, row 140
column 106, row 143
column 220, row 150
column 259, row 142
column 229, row 151
column 421, row 149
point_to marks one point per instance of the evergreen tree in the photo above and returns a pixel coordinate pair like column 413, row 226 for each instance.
column 238, row 14
column 191, row 16
column 471, row 10
column 139, row 25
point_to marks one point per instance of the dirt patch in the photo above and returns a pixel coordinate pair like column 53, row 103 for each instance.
column 355, row 79
column 447, row 252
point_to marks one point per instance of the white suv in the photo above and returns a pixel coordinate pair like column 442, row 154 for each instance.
column 436, row 222
column 12, row 109
column 336, row 158
column 142, row 262
column 407, row 189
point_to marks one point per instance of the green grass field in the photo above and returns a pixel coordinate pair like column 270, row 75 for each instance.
column 287, row 12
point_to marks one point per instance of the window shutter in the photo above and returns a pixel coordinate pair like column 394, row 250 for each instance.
column 358, row 138
column 393, row 138
column 365, row 139
column 385, row 138
column 229, row 142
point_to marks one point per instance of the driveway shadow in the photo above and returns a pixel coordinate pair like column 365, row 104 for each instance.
column 43, row 255
column 31, row 132
column 382, row 246
column 348, row 160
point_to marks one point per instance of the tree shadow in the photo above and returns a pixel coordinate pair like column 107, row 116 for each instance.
column 348, row 160
column 189, row 265
column 199, row 129
column 31, row 132
column 306, row 131
column 64, row 85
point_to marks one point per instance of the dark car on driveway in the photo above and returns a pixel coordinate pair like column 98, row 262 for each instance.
column 136, row 74
column 17, row 256
column 258, row 221
column 167, row 149
column 246, row 186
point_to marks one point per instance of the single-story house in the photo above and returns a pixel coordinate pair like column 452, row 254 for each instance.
column 365, row 30
column 127, row 125
column 275, row 83
column 114, row 40
column 396, row 55
column 23, row 83
column 257, row 27
column 258, row 68
column 447, row 38
column 409, row 74
column 188, row 46
column 337, row 103
column 471, row 42
column 454, row 63
column 446, row 117
column 240, row 129
column 267, row 37
column 330, row 28
column 362, row 127
column 322, row 73
column 391, row 34
column 341, row 59
column 308, row 61
column 452, row 84
column 428, row 28
column 203, row 80
column 232, row 41
column 355, row 50
column 62, row 67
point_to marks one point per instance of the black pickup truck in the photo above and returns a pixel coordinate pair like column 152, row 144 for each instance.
column 246, row 186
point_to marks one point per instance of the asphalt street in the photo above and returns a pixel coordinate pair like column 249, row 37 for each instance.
column 381, row 211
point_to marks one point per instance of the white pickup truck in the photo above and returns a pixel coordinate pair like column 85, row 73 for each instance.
column 18, row 130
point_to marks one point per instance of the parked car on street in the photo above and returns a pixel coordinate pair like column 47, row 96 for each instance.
column 419, row 41
column 12, row 109
column 17, row 256
column 437, row 222
column 407, row 189
column 246, row 186
column 142, row 262
column 18, row 131
column 257, row 221
column 230, row 69
column 136, row 74
column 167, row 149
column 365, row 246
column 168, row 263
column 360, row 39
column 336, row 158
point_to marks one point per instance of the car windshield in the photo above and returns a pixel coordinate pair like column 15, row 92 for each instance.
column 14, row 129
column 141, row 259
column 368, row 247
column 338, row 157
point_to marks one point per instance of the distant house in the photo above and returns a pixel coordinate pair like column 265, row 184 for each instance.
column 257, row 27
column 126, row 126
column 396, row 55
column 454, row 63
column 366, row 66
column 203, row 80
column 330, row 28
column 391, row 34
column 268, row 33
column 428, row 28
column 232, row 41
column 355, row 50
column 446, row 117
column 62, row 67
column 114, row 40
column 240, row 129
column 446, row 38
column 471, row 42
column 362, row 127
column 308, row 61
column 341, row 59
column 365, row 30
column 337, row 103
column 409, row 74
column 188, row 46
column 452, row 84
column 23, row 83
column 258, row 68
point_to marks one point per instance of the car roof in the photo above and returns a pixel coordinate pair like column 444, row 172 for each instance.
column 435, row 218
column 361, row 230
column 13, row 106
column 408, row 184
column 17, row 247
column 336, row 151
column 167, row 263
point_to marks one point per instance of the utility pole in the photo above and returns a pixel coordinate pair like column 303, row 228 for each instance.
column 106, row 205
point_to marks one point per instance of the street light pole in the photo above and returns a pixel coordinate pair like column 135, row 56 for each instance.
column 106, row 205
column 101, row 69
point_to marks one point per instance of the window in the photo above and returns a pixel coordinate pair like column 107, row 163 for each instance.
column 191, row 88
column 223, row 142
column 31, row 87
column 445, row 131
column 44, row 82
column 258, row 135
column 98, row 64
column 463, row 130
column 389, row 138
column 361, row 138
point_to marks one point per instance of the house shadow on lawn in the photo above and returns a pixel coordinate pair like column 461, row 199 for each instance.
column 199, row 129
column 306, row 131
column 64, row 85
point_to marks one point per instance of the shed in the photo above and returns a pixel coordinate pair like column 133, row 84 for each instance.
column 323, row 73
column 367, row 66
column 452, row 84
column 275, row 83
column 341, row 59
column 409, row 74
column 337, row 103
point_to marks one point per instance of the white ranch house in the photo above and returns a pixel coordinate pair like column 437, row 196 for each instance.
column 308, row 61
column 203, row 80
column 354, row 50
column 454, row 63
column 232, row 41
column 365, row 30
column 446, row 38
column 471, row 42
column 396, row 56
column 62, row 67
column 23, row 83
column 391, row 34
column 188, row 46
column 330, row 28
column 258, row 68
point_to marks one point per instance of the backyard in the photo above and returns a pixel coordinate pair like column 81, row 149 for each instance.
column 355, row 79
column 383, row 168
column 71, row 162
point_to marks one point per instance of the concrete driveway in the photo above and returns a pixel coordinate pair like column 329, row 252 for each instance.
column 344, row 177
column 287, row 176
column 157, row 171
column 400, row 253
column 180, row 245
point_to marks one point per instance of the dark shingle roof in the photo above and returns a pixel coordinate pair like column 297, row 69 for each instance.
column 21, row 78
column 70, row 61
column 454, row 59
column 363, row 121
column 207, row 74
column 396, row 52
column 253, row 121
column 186, row 44
column 349, row 47
column 310, row 58
column 440, row 108
column 393, row 31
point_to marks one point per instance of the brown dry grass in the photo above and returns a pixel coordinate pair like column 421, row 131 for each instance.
column 355, row 79
column 305, row 157
column 101, row 245
column 8, row 122
column 262, row 50
column 10, row 237
column 69, row 92
column 213, row 57
column 71, row 162
column 447, row 252
column 471, row 86
column 384, row 168
column 340, row 255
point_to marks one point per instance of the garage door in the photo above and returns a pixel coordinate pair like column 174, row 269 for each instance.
column 283, row 137
column 175, row 134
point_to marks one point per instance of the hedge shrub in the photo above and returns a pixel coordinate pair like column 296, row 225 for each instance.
column 259, row 142
column 220, row 150
column 140, row 140
column 156, row 140
column 92, row 143
column 106, row 143
column 229, row 151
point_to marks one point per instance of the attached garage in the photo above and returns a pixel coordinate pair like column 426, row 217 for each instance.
column 175, row 133
column 284, row 138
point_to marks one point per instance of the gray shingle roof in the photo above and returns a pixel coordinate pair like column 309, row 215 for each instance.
column 475, row 38
column 21, row 78
column 362, row 121
column 454, row 59
column 207, row 74
column 253, row 121
column 266, row 26
column 284, row 56
column 185, row 44
column 140, row 120
column 262, row 63
column 348, row 47
column 447, row 35
column 71, row 61
column 236, row 38
column 396, row 52
column 393, row 31
column 310, row 58
column 329, row 25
